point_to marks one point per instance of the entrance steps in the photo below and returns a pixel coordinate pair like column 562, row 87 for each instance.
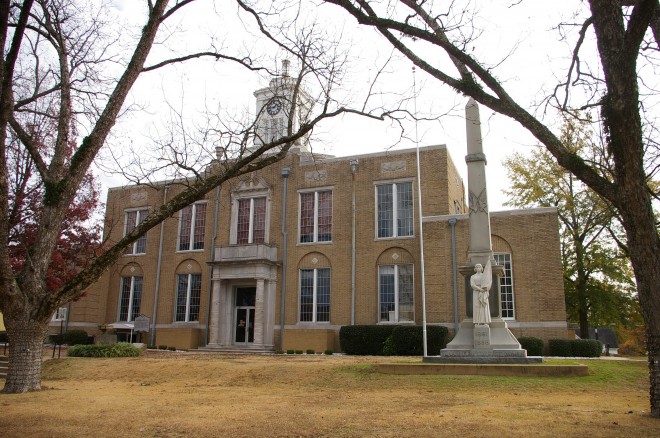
column 4, row 365
column 235, row 350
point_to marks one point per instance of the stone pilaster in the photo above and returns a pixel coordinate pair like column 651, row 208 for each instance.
column 214, row 323
column 259, row 314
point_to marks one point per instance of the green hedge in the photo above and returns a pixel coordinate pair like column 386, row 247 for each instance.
column 364, row 340
column 560, row 347
column 407, row 340
column 587, row 348
column 122, row 349
column 385, row 340
column 71, row 337
column 534, row 346
column 575, row 347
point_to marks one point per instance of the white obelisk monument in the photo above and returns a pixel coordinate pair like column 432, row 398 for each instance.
column 483, row 336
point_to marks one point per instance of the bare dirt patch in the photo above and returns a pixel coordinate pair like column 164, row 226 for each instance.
column 178, row 395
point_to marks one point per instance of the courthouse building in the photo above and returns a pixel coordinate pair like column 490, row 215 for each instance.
column 287, row 255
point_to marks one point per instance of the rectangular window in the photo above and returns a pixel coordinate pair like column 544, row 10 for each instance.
column 506, row 286
column 133, row 219
column 60, row 314
column 315, row 295
column 396, row 293
column 394, row 205
column 188, row 293
column 316, row 216
column 130, row 298
column 192, row 226
column 251, row 226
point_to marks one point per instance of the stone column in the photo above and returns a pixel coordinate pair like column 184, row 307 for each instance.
column 480, row 249
column 259, row 315
column 215, row 313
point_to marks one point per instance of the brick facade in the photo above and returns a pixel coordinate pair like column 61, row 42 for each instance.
column 225, row 266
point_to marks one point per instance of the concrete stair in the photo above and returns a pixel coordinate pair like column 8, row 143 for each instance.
column 4, row 365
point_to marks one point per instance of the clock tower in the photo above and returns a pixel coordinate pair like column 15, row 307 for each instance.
column 274, row 109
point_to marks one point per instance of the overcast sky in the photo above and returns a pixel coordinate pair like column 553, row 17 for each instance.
column 522, row 33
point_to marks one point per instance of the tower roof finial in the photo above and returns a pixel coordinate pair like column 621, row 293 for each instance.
column 285, row 68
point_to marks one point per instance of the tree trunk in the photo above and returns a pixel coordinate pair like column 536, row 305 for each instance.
column 653, row 345
column 26, row 339
column 644, row 245
column 583, row 316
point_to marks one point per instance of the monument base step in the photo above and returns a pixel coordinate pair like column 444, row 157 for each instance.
column 475, row 359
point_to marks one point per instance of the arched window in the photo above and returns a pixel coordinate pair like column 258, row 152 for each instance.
column 188, row 292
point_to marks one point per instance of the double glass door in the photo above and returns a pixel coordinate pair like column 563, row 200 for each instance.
column 244, row 315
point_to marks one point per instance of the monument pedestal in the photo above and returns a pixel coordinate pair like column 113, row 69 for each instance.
column 488, row 344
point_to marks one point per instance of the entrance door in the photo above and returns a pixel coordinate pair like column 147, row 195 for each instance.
column 244, row 315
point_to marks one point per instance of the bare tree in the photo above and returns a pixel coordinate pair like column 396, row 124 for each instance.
column 625, row 35
column 57, row 66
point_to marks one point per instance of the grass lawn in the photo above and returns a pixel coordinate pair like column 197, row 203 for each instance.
column 177, row 395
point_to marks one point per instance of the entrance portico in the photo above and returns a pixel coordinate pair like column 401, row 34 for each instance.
column 243, row 299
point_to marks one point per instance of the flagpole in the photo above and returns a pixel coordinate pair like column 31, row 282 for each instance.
column 421, row 230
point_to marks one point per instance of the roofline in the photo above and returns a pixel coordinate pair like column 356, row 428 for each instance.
column 502, row 213
column 377, row 154
column 323, row 159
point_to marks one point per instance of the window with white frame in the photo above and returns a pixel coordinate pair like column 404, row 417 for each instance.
column 506, row 286
column 60, row 314
column 192, row 224
column 394, row 209
column 188, row 293
column 396, row 293
column 315, row 295
column 251, row 224
column 130, row 298
column 316, row 216
column 133, row 219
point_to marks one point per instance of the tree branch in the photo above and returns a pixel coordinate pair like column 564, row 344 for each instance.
column 246, row 61
column 27, row 141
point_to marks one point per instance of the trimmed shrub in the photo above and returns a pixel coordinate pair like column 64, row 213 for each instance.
column 388, row 347
column 560, row 347
column 328, row 352
column 121, row 349
column 310, row 352
column 290, row 352
column 171, row 348
column 408, row 340
column 575, row 347
column 379, row 340
column 586, row 347
column 365, row 340
column 299, row 352
column 72, row 337
column 437, row 338
column 162, row 347
column 279, row 352
column 534, row 346
column 151, row 347
column 76, row 337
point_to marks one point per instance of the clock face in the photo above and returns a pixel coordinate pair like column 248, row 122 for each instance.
column 273, row 107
